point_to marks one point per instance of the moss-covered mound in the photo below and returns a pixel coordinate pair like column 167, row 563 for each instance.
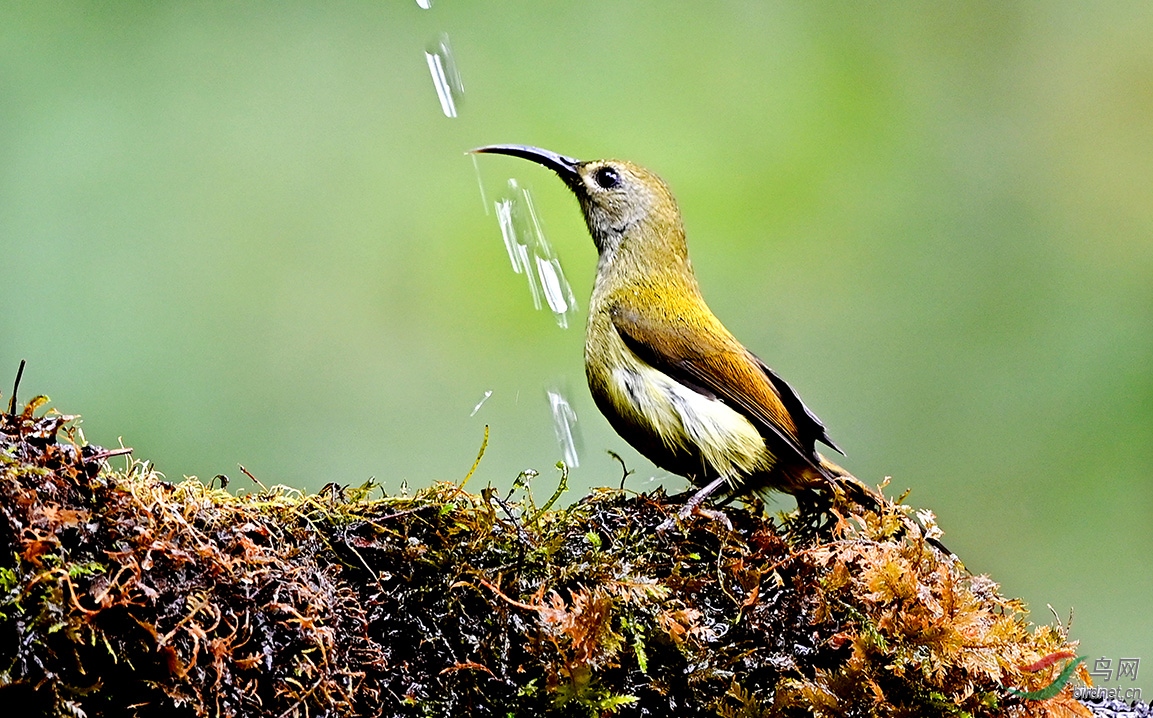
column 122, row 594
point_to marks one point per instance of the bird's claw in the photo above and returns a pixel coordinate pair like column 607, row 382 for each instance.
column 714, row 515
column 688, row 511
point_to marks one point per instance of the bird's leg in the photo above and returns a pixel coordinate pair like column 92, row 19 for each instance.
column 693, row 506
column 812, row 503
column 812, row 506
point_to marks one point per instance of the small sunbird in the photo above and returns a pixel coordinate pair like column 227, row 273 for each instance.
column 668, row 376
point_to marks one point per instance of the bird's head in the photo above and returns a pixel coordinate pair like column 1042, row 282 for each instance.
column 619, row 199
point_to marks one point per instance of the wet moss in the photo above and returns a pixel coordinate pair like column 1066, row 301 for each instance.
column 124, row 594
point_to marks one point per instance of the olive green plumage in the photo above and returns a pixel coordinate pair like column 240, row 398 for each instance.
column 670, row 378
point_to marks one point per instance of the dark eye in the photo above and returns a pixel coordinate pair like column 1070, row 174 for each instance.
column 607, row 178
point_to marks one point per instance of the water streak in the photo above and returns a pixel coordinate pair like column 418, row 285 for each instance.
column 556, row 289
column 530, row 253
column 480, row 403
column 445, row 75
column 424, row 4
column 507, row 232
column 564, row 421
column 480, row 182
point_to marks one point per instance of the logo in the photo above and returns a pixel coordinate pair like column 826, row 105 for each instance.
column 1103, row 672
column 1058, row 683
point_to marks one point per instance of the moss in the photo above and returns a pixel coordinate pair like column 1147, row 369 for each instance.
column 123, row 594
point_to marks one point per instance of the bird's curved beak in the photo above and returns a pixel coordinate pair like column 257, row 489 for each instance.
column 564, row 166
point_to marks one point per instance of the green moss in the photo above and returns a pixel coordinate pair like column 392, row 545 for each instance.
column 123, row 594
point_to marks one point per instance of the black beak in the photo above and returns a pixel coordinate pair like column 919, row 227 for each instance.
column 566, row 167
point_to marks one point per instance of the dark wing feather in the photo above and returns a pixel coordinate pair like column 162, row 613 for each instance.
column 717, row 366
column 808, row 423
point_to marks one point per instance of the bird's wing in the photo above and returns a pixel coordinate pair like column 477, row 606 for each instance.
column 717, row 366
column 808, row 423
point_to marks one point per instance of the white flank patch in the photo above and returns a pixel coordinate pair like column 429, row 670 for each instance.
column 684, row 418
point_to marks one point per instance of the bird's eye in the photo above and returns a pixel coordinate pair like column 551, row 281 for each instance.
column 607, row 178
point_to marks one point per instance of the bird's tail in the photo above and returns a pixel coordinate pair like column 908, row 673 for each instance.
column 853, row 488
column 861, row 494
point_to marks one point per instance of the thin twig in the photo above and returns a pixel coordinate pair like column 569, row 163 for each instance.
column 16, row 387
column 109, row 453
column 249, row 475
column 524, row 537
column 626, row 471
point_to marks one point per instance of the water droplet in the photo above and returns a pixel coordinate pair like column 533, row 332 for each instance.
column 479, row 182
column 531, row 254
column 530, row 275
column 424, row 4
column 445, row 76
column 480, row 403
column 556, row 290
column 507, row 232
column 564, row 421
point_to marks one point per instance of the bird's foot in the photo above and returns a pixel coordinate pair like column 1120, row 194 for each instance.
column 694, row 507
column 688, row 511
column 715, row 515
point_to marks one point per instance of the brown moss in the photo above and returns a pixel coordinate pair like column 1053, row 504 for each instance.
column 123, row 594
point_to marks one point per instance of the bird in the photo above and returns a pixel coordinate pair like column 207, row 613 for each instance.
column 670, row 378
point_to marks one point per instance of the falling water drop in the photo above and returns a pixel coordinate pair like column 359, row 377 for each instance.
column 564, row 421
column 424, row 4
column 531, row 254
column 480, row 403
column 555, row 288
column 479, row 182
column 503, row 209
column 445, row 75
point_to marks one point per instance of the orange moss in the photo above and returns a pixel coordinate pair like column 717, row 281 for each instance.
column 123, row 594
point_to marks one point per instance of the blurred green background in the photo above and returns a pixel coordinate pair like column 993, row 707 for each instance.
column 245, row 232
